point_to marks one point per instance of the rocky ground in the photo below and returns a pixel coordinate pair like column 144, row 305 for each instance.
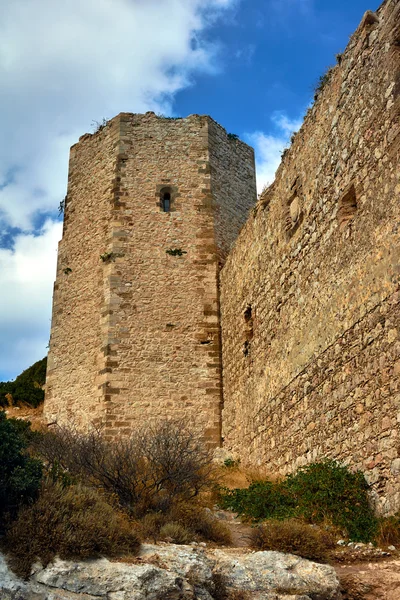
column 171, row 572
column 364, row 572
column 197, row 572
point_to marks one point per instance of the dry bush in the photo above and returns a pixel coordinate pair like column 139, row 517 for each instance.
column 73, row 523
column 149, row 526
column 176, row 533
column 201, row 522
column 389, row 531
column 196, row 520
column 147, row 472
column 295, row 537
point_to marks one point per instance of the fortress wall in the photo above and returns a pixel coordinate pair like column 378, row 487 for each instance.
column 233, row 185
column 157, row 316
column 310, row 292
column 75, row 356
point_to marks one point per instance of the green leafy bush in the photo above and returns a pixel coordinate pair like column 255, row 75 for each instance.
column 73, row 522
column 261, row 500
column 329, row 491
column 322, row 491
column 27, row 387
column 295, row 537
column 20, row 475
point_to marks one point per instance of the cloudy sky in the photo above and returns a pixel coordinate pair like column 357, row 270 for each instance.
column 251, row 64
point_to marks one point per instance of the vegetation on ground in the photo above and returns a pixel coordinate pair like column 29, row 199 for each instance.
column 389, row 530
column 20, row 475
column 73, row 522
column 79, row 495
column 320, row 492
column 295, row 537
column 150, row 471
column 197, row 523
column 27, row 387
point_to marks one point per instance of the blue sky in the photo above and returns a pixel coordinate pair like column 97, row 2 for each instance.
column 250, row 64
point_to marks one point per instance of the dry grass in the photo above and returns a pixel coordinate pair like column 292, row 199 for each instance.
column 176, row 533
column 27, row 413
column 389, row 531
column 238, row 477
column 295, row 537
column 198, row 523
column 74, row 523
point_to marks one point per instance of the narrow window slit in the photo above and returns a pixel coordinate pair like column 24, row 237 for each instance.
column 166, row 202
column 347, row 207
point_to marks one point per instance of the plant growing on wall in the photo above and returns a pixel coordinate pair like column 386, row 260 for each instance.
column 175, row 251
column 110, row 256
column 61, row 206
column 99, row 125
column 233, row 136
column 161, row 116
column 322, row 82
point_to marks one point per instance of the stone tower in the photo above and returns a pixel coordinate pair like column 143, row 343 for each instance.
column 152, row 208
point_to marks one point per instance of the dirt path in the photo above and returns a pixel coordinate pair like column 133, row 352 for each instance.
column 241, row 532
column 370, row 581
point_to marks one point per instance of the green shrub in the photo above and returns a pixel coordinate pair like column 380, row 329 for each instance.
column 328, row 491
column 73, row 522
column 322, row 491
column 20, row 475
column 261, row 500
column 295, row 537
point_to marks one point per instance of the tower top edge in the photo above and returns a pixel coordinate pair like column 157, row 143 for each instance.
column 150, row 116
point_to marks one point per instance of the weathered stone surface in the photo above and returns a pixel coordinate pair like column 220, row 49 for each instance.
column 135, row 330
column 320, row 375
column 101, row 578
column 190, row 562
column 309, row 294
column 275, row 572
column 176, row 573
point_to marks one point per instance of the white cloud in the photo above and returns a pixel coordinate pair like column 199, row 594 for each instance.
column 27, row 275
column 64, row 65
column 269, row 147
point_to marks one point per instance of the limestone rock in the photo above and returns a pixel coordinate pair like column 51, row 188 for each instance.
column 171, row 572
column 286, row 574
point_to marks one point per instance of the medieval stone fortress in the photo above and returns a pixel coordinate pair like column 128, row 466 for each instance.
column 273, row 326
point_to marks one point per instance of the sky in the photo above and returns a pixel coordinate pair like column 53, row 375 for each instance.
column 251, row 64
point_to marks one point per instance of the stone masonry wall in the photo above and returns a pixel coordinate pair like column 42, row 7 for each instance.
column 232, row 177
column 75, row 356
column 310, row 291
column 156, row 297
